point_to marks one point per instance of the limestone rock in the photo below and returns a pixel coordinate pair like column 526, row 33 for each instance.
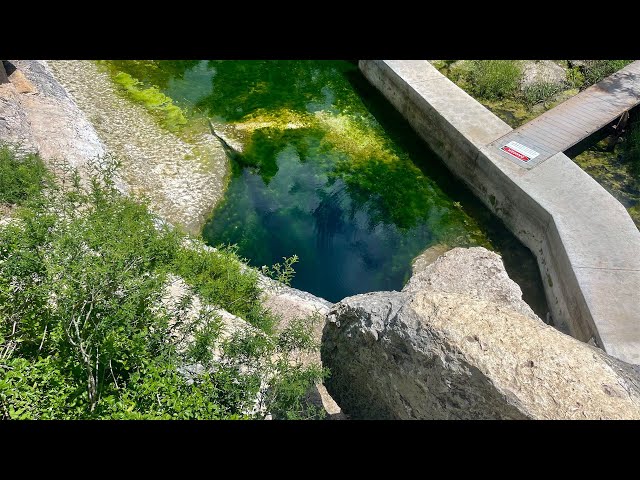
column 183, row 180
column 475, row 272
column 21, row 83
column 548, row 71
column 459, row 343
column 37, row 113
column 427, row 257
column 576, row 63
column 14, row 121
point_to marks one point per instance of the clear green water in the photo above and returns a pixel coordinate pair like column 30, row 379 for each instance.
column 329, row 172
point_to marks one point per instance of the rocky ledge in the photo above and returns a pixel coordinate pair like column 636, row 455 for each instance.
column 37, row 114
column 458, row 342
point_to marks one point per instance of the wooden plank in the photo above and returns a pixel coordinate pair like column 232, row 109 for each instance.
column 524, row 139
column 598, row 109
column 555, row 146
column 573, row 117
column 560, row 127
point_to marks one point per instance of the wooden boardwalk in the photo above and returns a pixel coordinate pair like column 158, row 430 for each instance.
column 563, row 126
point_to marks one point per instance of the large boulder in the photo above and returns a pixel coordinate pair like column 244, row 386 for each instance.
column 460, row 343
column 543, row 71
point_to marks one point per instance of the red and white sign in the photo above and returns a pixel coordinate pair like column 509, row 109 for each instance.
column 519, row 151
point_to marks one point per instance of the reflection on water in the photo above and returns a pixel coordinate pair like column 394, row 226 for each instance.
column 331, row 173
column 306, row 211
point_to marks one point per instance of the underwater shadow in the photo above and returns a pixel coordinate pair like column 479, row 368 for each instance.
column 519, row 261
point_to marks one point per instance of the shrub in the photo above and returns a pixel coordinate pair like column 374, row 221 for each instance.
column 494, row 79
column 84, row 333
column 575, row 78
column 596, row 70
column 442, row 64
column 21, row 177
column 460, row 72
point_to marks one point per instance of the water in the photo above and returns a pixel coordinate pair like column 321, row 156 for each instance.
column 330, row 173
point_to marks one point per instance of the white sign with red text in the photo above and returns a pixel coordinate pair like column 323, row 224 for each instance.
column 519, row 151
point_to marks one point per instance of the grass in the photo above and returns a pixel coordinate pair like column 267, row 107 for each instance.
column 596, row 70
column 540, row 92
column 494, row 79
column 496, row 84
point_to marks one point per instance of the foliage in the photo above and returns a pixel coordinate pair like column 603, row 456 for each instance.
column 540, row 92
column 596, row 70
column 219, row 278
column 575, row 78
column 442, row 64
column 21, row 177
column 489, row 79
column 459, row 71
column 85, row 331
column 282, row 273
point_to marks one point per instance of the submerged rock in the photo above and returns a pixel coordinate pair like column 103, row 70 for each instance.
column 459, row 343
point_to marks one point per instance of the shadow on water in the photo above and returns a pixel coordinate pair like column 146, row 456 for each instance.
column 519, row 261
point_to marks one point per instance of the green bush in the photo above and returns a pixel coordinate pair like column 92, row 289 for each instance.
column 442, row 64
column 84, row 333
column 596, row 70
column 575, row 78
column 21, row 177
column 494, row 79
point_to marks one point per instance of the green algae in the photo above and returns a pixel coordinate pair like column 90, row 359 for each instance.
column 361, row 157
column 153, row 72
column 162, row 107
column 243, row 87
column 613, row 170
column 153, row 100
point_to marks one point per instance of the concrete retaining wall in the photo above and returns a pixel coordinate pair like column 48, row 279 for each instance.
column 587, row 246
